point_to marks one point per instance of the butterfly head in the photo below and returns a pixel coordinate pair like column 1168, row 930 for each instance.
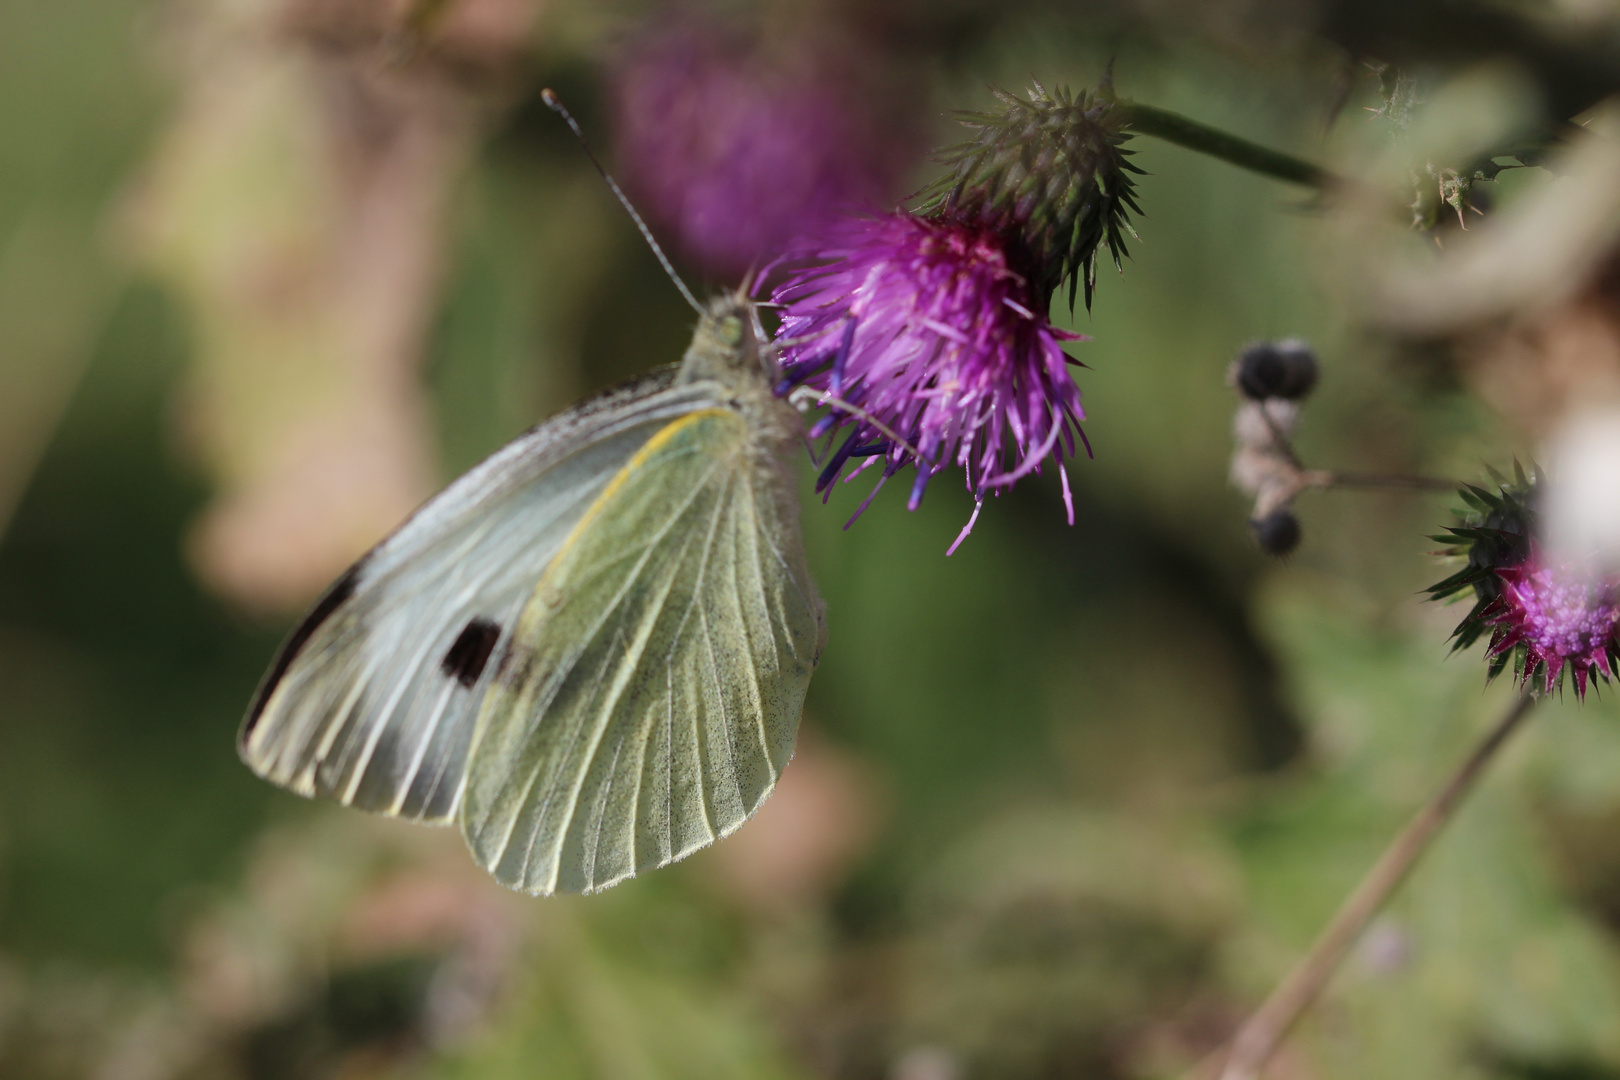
column 730, row 344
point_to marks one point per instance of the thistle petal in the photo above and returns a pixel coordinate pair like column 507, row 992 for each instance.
column 929, row 329
column 1561, row 618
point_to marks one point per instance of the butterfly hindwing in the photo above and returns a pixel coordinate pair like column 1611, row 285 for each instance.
column 373, row 698
column 649, row 697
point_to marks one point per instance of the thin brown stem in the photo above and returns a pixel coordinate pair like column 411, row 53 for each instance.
column 1279, row 438
column 1329, row 478
column 422, row 16
column 1326, row 478
column 1259, row 1038
column 1323, row 478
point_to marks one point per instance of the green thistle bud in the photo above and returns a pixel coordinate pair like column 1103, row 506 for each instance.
column 1051, row 172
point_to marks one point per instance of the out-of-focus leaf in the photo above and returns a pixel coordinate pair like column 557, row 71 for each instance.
column 54, row 298
column 589, row 1003
column 1052, row 941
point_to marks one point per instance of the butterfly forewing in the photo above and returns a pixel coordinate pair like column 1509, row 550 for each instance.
column 649, row 697
column 372, row 701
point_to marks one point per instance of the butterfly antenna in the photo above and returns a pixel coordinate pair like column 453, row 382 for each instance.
column 554, row 103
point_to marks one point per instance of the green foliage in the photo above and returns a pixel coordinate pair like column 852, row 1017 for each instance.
column 623, row 987
column 1049, row 940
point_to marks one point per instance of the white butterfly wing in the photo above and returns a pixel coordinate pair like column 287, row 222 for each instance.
column 651, row 693
column 372, row 699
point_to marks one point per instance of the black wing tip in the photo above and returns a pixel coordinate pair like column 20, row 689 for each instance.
column 335, row 596
column 469, row 655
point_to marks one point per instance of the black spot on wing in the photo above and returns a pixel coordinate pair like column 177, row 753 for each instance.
column 341, row 590
column 466, row 659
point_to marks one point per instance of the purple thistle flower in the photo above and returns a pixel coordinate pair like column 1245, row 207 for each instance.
column 1560, row 617
column 929, row 328
column 932, row 326
column 736, row 148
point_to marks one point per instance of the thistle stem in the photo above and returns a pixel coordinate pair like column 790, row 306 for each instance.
column 1259, row 1038
column 1178, row 129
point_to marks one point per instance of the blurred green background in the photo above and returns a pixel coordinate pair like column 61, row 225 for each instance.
column 1066, row 804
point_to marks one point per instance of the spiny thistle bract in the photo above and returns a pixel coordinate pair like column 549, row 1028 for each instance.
column 1494, row 533
column 1542, row 617
column 1050, row 170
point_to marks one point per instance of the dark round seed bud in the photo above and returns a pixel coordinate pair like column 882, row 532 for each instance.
column 1276, row 369
column 1260, row 371
column 1300, row 361
column 1277, row 533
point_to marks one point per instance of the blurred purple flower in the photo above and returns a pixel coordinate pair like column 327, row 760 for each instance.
column 1561, row 618
column 736, row 149
column 929, row 328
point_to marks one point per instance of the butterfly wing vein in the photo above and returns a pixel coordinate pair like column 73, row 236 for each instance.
column 651, row 692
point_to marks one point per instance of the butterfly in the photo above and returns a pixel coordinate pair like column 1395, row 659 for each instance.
column 591, row 651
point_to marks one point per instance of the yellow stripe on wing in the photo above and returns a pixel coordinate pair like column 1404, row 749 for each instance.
column 666, row 434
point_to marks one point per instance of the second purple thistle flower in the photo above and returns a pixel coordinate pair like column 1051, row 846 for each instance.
column 930, row 328
column 735, row 141
column 1560, row 617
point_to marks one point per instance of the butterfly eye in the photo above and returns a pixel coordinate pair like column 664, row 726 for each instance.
column 731, row 330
